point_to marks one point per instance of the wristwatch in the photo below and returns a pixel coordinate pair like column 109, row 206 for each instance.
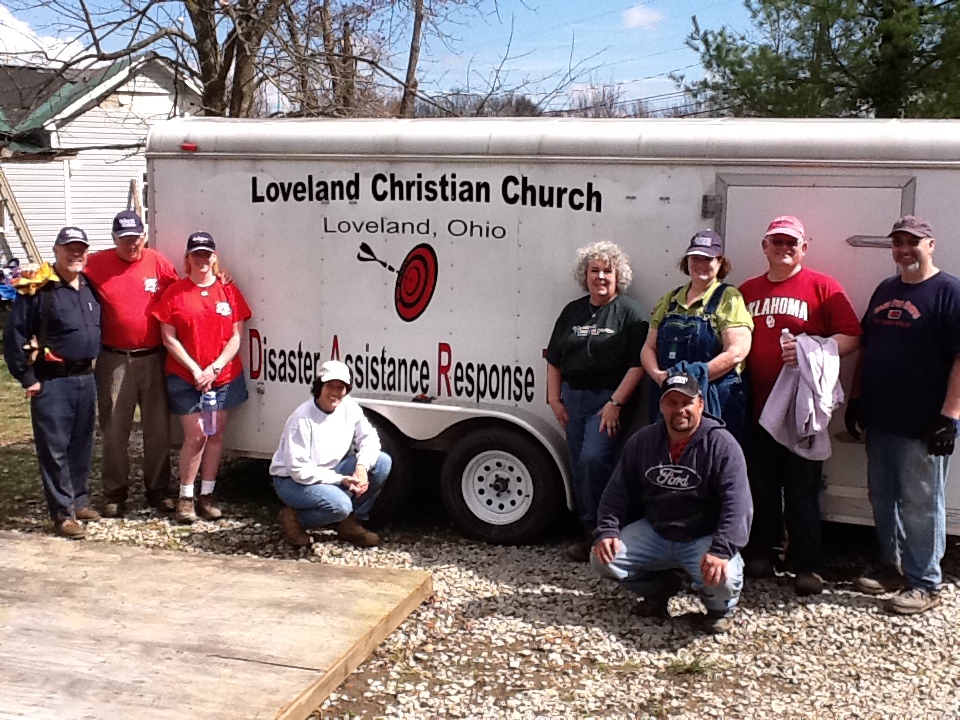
column 216, row 370
column 615, row 403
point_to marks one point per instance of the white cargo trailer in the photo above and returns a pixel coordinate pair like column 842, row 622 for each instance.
column 433, row 256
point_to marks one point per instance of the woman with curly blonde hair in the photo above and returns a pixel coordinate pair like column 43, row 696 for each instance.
column 593, row 369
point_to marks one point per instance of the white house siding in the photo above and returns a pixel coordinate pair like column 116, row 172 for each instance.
column 40, row 191
column 97, row 183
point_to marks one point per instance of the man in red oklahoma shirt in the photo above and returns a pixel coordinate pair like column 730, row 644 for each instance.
column 130, row 280
column 785, row 486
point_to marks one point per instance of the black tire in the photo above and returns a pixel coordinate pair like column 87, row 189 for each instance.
column 501, row 487
column 396, row 491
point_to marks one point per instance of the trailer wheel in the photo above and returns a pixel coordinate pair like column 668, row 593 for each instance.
column 501, row 487
column 396, row 491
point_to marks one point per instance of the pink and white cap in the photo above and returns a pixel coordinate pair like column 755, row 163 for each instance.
column 785, row 225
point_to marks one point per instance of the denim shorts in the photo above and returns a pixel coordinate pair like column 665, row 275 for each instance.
column 184, row 398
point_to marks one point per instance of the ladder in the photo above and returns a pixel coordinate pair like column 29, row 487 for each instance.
column 19, row 223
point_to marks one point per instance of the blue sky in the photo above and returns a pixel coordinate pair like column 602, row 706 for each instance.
column 630, row 45
column 633, row 45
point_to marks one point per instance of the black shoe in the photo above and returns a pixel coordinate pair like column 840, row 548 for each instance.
column 115, row 508
column 758, row 568
column 808, row 583
column 717, row 623
column 657, row 604
column 579, row 551
column 161, row 502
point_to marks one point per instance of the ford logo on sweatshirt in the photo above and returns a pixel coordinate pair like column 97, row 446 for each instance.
column 674, row 477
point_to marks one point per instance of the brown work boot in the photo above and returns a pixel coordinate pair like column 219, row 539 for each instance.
column 87, row 514
column 207, row 508
column 292, row 528
column 185, row 512
column 70, row 529
column 912, row 601
column 351, row 531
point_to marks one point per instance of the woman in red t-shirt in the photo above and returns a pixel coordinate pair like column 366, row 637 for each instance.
column 201, row 321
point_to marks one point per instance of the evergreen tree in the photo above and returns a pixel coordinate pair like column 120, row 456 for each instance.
column 834, row 58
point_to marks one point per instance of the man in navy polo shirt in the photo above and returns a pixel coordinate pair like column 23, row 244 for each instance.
column 62, row 318
column 910, row 380
column 678, row 500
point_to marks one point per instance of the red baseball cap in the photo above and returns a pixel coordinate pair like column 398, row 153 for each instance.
column 785, row 225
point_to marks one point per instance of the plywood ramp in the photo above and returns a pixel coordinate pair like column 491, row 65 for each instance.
column 94, row 630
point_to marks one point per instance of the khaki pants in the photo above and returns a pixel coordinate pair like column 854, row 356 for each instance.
column 124, row 382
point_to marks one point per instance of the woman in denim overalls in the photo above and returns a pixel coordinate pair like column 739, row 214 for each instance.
column 703, row 328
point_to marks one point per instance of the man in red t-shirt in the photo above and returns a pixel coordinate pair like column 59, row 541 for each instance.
column 785, row 486
column 129, row 281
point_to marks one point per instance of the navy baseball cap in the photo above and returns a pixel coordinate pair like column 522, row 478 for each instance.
column 127, row 223
column 201, row 241
column 69, row 235
column 707, row 243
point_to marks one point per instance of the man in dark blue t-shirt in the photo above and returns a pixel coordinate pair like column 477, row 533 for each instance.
column 911, row 329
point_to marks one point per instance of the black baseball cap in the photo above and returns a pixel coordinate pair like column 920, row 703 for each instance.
column 69, row 235
column 201, row 241
column 681, row 382
column 916, row 226
column 127, row 223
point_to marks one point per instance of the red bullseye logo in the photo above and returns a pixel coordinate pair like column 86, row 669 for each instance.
column 416, row 279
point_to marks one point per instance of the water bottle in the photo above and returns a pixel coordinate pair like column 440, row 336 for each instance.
column 208, row 409
column 785, row 337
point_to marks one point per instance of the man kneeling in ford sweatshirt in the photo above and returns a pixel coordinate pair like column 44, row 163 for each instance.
column 678, row 500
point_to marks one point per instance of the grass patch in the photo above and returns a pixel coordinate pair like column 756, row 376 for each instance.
column 14, row 410
column 700, row 666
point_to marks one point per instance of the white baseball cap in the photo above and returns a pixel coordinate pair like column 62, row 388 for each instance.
column 334, row 370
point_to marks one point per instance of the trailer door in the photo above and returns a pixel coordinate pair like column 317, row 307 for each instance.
column 846, row 219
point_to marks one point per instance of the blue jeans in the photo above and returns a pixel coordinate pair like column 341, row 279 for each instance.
column 64, row 418
column 593, row 454
column 644, row 555
column 319, row 505
column 907, row 491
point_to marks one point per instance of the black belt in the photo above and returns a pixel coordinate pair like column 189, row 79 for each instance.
column 140, row 352
column 47, row 370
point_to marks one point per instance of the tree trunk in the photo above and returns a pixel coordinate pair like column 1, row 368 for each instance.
column 410, row 83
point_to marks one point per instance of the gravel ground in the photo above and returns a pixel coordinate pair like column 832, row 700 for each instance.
column 522, row 633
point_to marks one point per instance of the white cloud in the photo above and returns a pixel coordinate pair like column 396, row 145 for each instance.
column 19, row 43
column 640, row 17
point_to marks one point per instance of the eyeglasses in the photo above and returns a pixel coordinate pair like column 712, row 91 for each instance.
column 912, row 242
column 787, row 242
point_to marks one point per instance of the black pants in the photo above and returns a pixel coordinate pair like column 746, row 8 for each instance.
column 786, row 488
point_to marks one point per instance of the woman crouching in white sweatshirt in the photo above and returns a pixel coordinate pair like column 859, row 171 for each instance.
column 318, row 482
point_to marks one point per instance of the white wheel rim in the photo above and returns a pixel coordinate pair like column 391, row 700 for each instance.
column 497, row 487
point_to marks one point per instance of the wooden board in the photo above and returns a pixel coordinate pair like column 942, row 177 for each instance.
column 93, row 630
